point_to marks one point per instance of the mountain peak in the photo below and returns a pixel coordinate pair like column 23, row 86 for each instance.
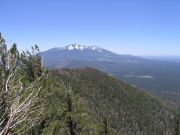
column 82, row 47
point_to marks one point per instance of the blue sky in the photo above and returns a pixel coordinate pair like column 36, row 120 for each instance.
column 137, row 27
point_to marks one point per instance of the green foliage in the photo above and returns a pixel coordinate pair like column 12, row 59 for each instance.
column 177, row 126
column 65, row 113
column 20, row 106
column 127, row 109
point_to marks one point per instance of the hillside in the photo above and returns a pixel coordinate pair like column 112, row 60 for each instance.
column 158, row 77
column 127, row 110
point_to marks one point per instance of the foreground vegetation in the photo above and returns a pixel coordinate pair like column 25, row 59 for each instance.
column 73, row 101
column 21, row 80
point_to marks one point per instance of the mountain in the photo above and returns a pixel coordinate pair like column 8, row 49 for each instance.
column 65, row 56
column 158, row 77
column 126, row 109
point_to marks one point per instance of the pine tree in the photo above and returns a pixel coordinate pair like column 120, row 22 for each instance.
column 177, row 128
column 72, row 125
column 19, row 95
column 65, row 111
column 104, row 128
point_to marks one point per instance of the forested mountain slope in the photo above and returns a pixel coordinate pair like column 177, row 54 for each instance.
column 126, row 109
column 158, row 77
